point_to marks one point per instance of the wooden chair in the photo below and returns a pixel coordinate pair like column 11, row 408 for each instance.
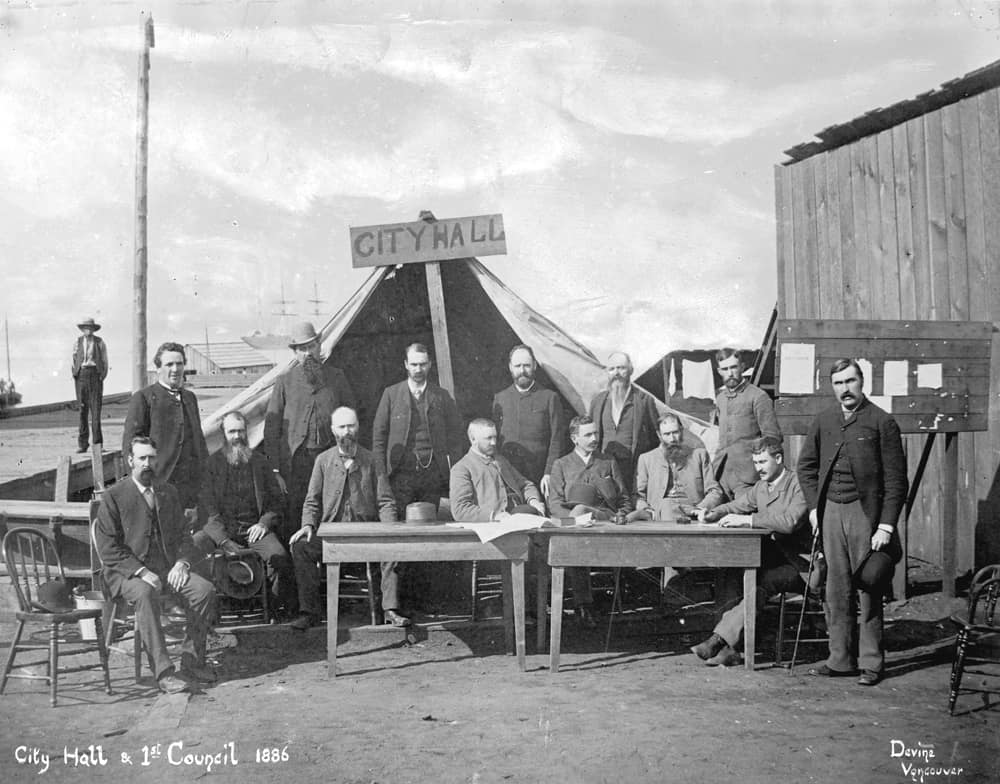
column 810, row 623
column 978, row 624
column 32, row 560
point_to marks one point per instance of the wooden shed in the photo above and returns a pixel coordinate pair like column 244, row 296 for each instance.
column 896, row 215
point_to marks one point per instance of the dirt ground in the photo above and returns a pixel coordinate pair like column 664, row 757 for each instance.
column 453, row 707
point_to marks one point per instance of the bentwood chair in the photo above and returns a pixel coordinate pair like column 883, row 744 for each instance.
column 978, row 636
column 32, row 561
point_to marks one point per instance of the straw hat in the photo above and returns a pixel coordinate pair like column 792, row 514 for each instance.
column 89, row 322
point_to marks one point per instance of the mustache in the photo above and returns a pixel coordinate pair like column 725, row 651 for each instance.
column 237, row 454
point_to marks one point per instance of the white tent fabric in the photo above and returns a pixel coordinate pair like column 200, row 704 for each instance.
column 573, row 368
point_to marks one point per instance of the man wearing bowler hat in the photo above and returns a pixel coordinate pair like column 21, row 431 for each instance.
column 297, row 423
column 853, row 475
column 90, row 368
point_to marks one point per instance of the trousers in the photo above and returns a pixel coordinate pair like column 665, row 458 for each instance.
column 306, row 556
column 90, row 394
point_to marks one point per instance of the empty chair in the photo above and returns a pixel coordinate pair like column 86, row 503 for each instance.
column 978, row 624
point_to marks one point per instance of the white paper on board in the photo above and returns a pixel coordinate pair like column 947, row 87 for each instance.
column 798, row 369
column 896, row 377
column 929, row 375
column 882, row 401
column 866, row 370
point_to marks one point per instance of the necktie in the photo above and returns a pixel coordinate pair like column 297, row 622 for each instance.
column 149, row 498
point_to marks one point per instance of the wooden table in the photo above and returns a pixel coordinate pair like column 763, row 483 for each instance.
column 650, row 544
column 361, row 542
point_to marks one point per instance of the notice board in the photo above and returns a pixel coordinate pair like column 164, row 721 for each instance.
column 932, row 376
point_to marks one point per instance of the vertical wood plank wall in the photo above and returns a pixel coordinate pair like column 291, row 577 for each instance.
column 906, row 224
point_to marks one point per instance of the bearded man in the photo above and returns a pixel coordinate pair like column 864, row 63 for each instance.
column 243, row 501
column 625, row 416
column 297, row 423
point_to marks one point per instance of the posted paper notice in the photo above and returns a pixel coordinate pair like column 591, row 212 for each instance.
column 896, row 377
column 798, row 369
column 929, row 375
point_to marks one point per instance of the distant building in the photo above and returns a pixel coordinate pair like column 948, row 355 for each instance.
column 226, row 358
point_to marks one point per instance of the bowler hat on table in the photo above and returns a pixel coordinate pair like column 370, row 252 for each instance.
column 421, row 512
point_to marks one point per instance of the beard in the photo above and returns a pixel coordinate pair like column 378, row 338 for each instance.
column 237, row 454
column 732, row 383
column 523, row 380
column 619, row 388
column 313, row 369
column 347, row 442
column 677, row 454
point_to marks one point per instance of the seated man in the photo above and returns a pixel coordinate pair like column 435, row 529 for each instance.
column 484, row 486
column 142, row 538
column 243, row 500
column 776, row 502
column 347, row 486
column 567, row 498
column 674, row 480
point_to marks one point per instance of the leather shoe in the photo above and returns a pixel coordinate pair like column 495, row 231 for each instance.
column 192, row 670
column 708, row 648
column 825, row 672
column 869, row 678
column 585, row 615
column 172, row 684
column 394, row 618
column 727, row 657
column 303, row 622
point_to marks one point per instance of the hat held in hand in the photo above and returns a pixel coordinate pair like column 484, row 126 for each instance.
column 875, row 571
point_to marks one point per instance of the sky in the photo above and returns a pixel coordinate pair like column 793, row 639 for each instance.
column 630, row 147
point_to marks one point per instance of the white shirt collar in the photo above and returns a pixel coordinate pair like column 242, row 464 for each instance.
column 772, row 486
column 414, row 388
column 525, row 391
column 141, row 487
column 583, row 456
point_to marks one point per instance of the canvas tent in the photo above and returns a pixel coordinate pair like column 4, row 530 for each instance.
column 369, row 334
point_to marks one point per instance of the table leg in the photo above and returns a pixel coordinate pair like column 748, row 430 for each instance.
column 332, row 608
column 555, row 622
column 541, row 597
column 517, row 570
column 508, row 606
column 749, row 616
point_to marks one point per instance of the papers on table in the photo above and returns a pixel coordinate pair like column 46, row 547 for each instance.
column 487, row 532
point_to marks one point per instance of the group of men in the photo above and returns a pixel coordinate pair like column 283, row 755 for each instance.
column 626, row 463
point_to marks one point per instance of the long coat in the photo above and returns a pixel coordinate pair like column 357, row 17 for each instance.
column 267, row 495
column 365, row 483
column 644, row 426
column 153, row 412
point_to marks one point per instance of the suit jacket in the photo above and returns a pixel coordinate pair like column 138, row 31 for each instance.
column 152, row 412
column 100, row 356
column 602, row 472
column 875, row 453
column 366, row 484
column 478, row 492
column 644, row 418
column 531, row 429
column 784, row 513
column 654, row 476
column 267, row 495
column 293, row 403
column 392, row 427
column 743, row 416
column 124, row 528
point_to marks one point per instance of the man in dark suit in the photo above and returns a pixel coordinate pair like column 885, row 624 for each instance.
column 530, row 421
column 297, row 423
column 417, row 433
column 348, row 485
column 853, row 474
column 243, row 503
column 90, row 368
column 145, row 549
column 626, row 418
column 168, row 414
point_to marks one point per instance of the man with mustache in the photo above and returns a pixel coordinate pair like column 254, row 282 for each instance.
column 625, row 416
column 777, row 504
column 168, row 414
column 530, row 421
column 142, row 540
column 297, row 423
column 243, row 502
column 674, row 480
column 745, row 413
column 853, row 474
column 347, row 485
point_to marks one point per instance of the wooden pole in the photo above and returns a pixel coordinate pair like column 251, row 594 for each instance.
column 141, row 162
column 949, row 514
column 439, row 319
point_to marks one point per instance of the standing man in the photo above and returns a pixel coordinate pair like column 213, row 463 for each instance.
column 777, row 504
column 417, row 433
column 90, row 368
column 244, row 504
column 626, row 418
column 530, row 420
column 145, row 550
column 853, row 474
column 673, row 480
column 297, row 423
column 586, row 480
column 168, row 414
column 348, row 485
column 745, row 413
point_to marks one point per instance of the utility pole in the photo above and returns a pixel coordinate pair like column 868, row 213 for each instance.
column 141, row 260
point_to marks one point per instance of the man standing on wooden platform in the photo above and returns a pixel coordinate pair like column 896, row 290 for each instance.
column 168, row 414
column 625, row 417
column 297, row 423
column 853, row 474
column 90, row 368
column 745, row 413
